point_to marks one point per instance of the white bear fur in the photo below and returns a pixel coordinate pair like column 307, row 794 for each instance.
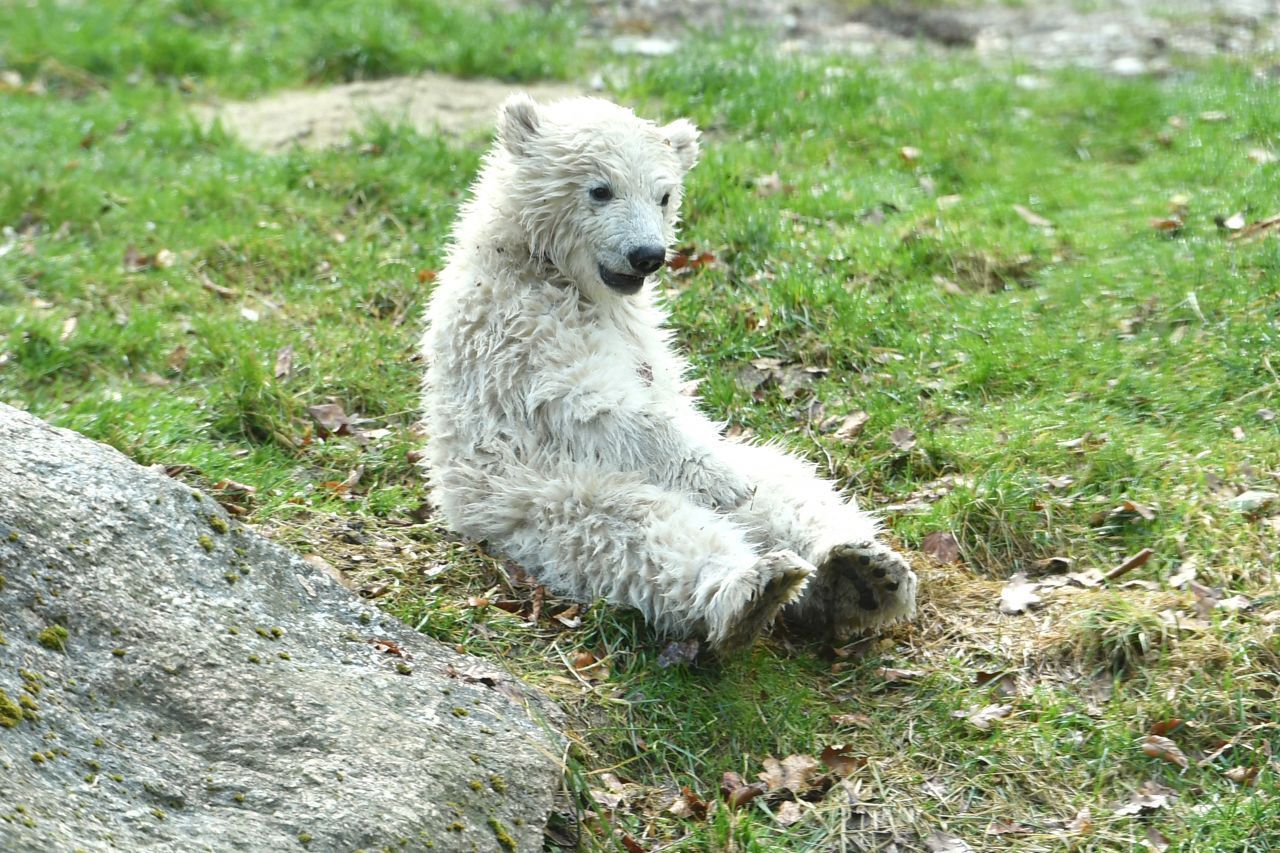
column 557, row 430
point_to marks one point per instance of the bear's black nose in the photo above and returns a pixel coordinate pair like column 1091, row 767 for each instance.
column 646, row 259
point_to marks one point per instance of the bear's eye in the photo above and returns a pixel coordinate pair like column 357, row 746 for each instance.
column 601, row 193
column 666, row 199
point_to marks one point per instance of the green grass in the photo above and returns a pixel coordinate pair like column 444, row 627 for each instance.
column 926, row 299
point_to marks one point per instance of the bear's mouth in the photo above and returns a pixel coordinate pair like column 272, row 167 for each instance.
column 625, row 284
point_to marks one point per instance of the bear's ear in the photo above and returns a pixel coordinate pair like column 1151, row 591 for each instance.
column 518, row 122
column 682, row 136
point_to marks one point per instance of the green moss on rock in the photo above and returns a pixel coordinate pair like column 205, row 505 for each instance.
column 10, row 711
column 54, row 637
column 500, row 832
column 205, row 541
column 219, row 524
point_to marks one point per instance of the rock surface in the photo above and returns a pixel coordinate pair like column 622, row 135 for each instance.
column 173, row 681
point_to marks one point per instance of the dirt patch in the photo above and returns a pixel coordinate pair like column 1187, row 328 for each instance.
column 317, row 118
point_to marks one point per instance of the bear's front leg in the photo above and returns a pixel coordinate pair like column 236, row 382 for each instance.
column 859, row 588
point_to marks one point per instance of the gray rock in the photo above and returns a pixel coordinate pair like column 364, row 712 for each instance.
column 173, row 681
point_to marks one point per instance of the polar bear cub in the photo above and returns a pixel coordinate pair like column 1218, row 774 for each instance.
column 556, row 427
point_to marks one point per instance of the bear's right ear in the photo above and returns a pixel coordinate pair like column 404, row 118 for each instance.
column 682, row 136
column 518, row 122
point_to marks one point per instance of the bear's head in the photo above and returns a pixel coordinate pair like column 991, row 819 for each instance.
column 595, row 188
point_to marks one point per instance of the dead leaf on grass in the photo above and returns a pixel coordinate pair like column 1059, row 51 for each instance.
column 1082, row 823
column 788, row 813
column 587, row 665
column 1257, row 230
column 983, row 719
column 861, row 721
column 771, row 184
column 689, row 805
column 1151, row 796
column 944, row 842
column 1156, row 746
column 177, row 359
column 738, row 793
column 942, row 546
column 909, row 153
column 330, row 418
column 794, row 772
column 903, row 438
column 284, row 362
column 1007, row 827
column 841, row 759
column 1184, row 575
column 569, row 617
column 1156, row 840
column 1166, row 224
column 1246, row 776
column 851, row 426
column 1019, row 595
column 891, row 674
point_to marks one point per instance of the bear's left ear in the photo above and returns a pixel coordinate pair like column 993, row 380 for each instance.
column 518, row 122
column 682, row 136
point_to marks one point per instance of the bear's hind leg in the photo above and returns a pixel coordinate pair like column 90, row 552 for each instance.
column 590, row 534
column 861, row 584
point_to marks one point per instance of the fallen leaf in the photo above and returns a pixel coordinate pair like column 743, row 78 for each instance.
column 1207, row 599
column 890, row 674
column 389, row 647
column 1185, row 574
column 1031, row 217
column 177, row 359
column 983, row 719
column 1156, row 840
column 1234, row 222
column 1246, row 776
column 284, row 362
column 164, row 259
column 1138, row 559
column 841, row 759
column 851, row 427
column 1257, row 230
column 1163, row 727
column 569, row 617
column 1214, row 116
column 771, row 184
column 1234, row 604
column 1007, row 827
column 1166, row 224
column 1261, row 156
column 250, row 314
column 687, row 804
column 943, row 842
column 1252, row 502
column 330, row 418
column 1150, row 796
column 857, row 720
column 903, row 438
column 590, row 667
column 788, row 813
column 679, row 653
column 738, row 793
column 942, row 546
column 1019, row 595
column 1146, row 512
column 909, row 154
column 1082, row 823
column 1164, row 749
column 792, row 773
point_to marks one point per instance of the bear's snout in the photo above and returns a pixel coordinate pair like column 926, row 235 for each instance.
column 646, row 259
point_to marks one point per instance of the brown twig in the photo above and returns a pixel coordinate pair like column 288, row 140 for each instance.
column 1129, row 565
